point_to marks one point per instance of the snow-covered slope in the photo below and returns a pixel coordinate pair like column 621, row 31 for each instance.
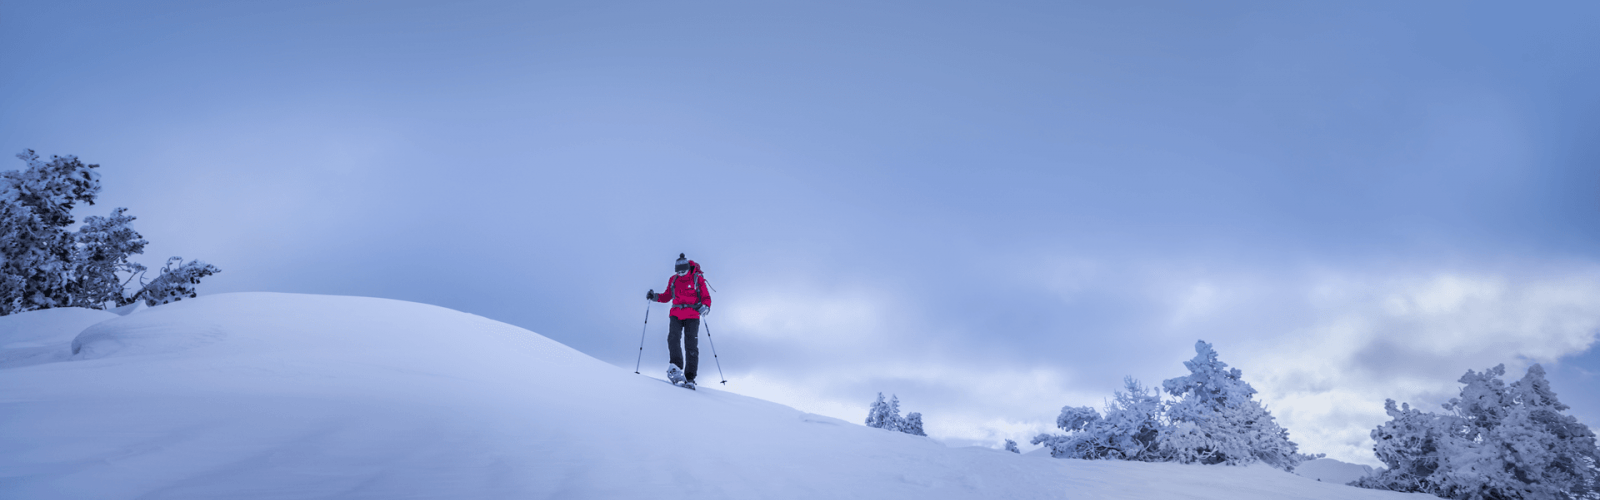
column 43, row 336
column 294, row 396
column 1333, row 471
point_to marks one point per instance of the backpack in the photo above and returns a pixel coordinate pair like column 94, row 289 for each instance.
column 695, row 276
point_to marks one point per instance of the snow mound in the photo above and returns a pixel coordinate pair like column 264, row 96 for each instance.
column 44, row 336
column 296, row 396
column 1332, row 471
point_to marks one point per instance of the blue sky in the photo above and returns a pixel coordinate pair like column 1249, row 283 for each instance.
column 990, row 210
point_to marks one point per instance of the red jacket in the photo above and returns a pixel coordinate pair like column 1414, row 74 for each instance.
column 689, row 289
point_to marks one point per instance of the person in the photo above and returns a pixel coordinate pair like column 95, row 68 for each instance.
column 690, row 299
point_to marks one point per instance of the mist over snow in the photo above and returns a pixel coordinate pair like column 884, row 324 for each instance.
column 266, row 395
column 990, row 211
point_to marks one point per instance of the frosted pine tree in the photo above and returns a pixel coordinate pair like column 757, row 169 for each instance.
column 1081, row 439
column 1133, row 423
column 1554, row 453
column 874, row 415
column 35, row 248
column 893, row 422
column 912, row 424
column 174, row 283
column 1498, row 441
column 44, row 265
column 1130, row 429
column 101, row 255
column 1410, row 447
column 1215, row 420
column 884, row 415
column 1011, row 446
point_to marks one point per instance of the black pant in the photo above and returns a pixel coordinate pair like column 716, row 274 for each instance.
column 689, row 331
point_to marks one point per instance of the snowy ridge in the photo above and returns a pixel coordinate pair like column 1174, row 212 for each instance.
column 261, row 395
column 1333, row 471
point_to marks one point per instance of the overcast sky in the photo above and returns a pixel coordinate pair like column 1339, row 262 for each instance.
column 990, row 209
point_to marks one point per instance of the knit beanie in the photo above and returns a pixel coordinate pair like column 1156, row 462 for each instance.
column 683, row 264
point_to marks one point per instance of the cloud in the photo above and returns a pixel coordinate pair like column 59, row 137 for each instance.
column 833, row 317
column 1409, row 338
column 832, row 352
column 1324, row 347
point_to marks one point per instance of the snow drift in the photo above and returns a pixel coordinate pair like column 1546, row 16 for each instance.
column 294, row 396
column 1333, row 471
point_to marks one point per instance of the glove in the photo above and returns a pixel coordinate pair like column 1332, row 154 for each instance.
column 650, row 295
column 704, row 309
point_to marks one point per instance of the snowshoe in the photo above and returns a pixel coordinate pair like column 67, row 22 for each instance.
column 688, row 384
column 675, row 375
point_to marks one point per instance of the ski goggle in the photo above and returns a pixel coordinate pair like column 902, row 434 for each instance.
column 681, row 268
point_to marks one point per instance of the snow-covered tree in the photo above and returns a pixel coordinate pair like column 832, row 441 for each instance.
column 1410, row 445
column 35, row 248
column 1011, row 446
column 1134, row 422
column 912, row 424
column 174, row 283
column 104, row 245
column 1497, row 441
column 886, row 415
column 894, row 421
column 1211, row 420
column 43, row 264
column 1130, row 429
column 1214, row 420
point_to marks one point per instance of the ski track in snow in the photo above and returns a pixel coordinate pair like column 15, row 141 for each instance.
column 264, row 395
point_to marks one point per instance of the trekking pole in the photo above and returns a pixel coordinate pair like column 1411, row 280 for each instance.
column 714, row 351
column 641, row 338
